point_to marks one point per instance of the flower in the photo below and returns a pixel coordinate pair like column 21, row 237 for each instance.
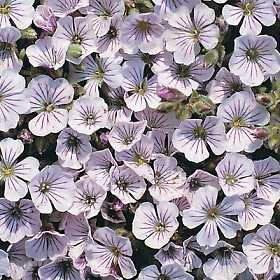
column 257, row 211
column 73, row 149
column 78, row 33
column 47, row 96
column 8, row 57
column 254, row 58
column 126, row 185
column 186, row 78
column 140, row 92
column 142, row 32
column 13, row 172
column 168, row 179
column 88, row 114
column 125, row 134
column 61, row 268
column 205, row 210
column 4, row 263
column 242, row 113
column 267, row 177
column 156, row 227
column 13, row 99
column 97, row 72
column 48, row 53
column 20, row 12
column 235, row 173
column 44, row 18
column 262, row 249
column 226, row 264
column 169, row 254
column 63, row 8
column 169, row 271
column 224, row 85
column 46, row 244
column 109, row 252
column 88, row 198
column 185, row 34
column 18, row 219
column 190, row 260
column 192, row 136
column 52, row 186
column 101, row 14
column 255, row 13
column 100, row 166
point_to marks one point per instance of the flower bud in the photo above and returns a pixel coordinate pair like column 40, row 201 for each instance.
column 74, row 50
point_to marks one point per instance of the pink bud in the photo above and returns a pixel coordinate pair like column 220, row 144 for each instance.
column 104, row 138
column 167, row 93
column 45, row 19
column 260, row 133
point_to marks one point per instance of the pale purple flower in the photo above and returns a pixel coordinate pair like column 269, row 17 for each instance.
column 182, row 203
column 255, row 13
column 158, row 120
column 257, row 211
column 102, row 13
column 254, row 58
column 194, row 135
column 212, row 215
column 48, row 53
column 97, row 72
column 13, row 99
column 126, row 185
column 18, row 219
column 199, row 179
column 88, row 114
column 140, row 91
column 224, row 85
column 4, row 263
column 79, row 34
column 242, row 114
column 31, row 270
column 186, row 78
column 73, row 149
column 138, row 157
column 170, row 271
column 100, row 166
column 187, row 32
column 155, row 226
column 61, row 268
column 168, row 179
column 8, row 57
column 169, row 254
column 109, row 44
column 225, row 263
column 165, row 7
column 263, row 249
column 13, row 172
column 47, row 98
column 267, row 175
column 44, row 18
column 125, row 134
column 235, row 173
column 18, row 11
column 109, row 252
column 88, row 198
column 46, row 244
column 62, row 8
column 142, row 32
column 52, row 186
column 113, row 212
column 190, row 259
column 162, row 143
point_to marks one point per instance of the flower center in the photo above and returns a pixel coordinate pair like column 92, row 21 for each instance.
column 90, row 200
column 123, row 185
column 238, row 122
column 230, row 180
column 49, row 108
column 236, row 87
column 213, row 213
column 73, row 141
column 98, row 75
column 252, row 54
column 44, row 187
column 274, row 249
column 115, row 251
column 200, row 132
column 183, row 71
column 65, row 266
column 194, row 184
column 105, row 14
column 5, row 9
column 112, row 33
column 142, row 87
column 128, row 140
column 139, row 159
column 90, row 119
column 16, row 211
column 35, row 275
column 248, row 8
column 77, row 39
column 5, row 46
column 7, row 171
column 163, row 277
column 143, row 26
column 195, row 34
column 159, row 227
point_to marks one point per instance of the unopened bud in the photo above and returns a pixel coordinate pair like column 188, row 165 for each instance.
column 74, row 50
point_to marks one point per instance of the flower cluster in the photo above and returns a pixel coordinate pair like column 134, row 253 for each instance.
column 139, row 139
